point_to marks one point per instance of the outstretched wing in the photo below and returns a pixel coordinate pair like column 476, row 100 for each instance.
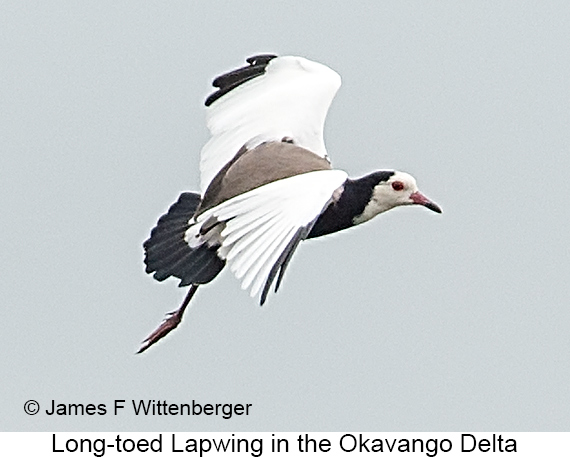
column 260, row 229
column 272, row 98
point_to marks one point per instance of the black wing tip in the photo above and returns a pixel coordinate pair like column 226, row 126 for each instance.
column 228, row 81
column 260, row 59
column 283, row 261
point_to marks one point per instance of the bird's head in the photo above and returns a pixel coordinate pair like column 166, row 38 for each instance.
column 399, row 189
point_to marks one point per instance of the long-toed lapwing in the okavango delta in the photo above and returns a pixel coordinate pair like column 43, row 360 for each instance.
column 266, row 183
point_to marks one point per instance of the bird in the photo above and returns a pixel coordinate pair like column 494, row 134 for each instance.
column 266, row 183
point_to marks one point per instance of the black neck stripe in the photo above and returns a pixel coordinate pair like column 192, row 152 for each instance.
column 355, row 197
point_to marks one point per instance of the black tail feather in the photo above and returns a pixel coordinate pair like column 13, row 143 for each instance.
column 168, row 254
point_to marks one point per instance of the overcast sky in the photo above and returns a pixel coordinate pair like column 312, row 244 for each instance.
column 414, row 321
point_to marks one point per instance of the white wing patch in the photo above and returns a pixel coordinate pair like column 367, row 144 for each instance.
column 291, row 99
column 261, row 224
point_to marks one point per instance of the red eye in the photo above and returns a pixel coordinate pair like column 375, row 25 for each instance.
column 398, row 185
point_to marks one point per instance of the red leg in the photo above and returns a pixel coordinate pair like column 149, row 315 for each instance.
column 170, row 323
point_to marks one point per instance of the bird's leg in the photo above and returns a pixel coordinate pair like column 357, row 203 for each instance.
column 169, row 323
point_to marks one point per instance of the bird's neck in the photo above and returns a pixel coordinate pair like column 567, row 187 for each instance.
column 354, row 206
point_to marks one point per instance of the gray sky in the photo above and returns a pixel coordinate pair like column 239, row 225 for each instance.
column 413, row 321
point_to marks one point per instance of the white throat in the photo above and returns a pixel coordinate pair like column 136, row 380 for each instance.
column 377, row 204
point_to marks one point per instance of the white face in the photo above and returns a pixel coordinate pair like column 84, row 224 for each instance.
column 400, row 189
column 397, row 190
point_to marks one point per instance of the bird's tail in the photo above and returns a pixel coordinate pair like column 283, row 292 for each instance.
column 167, row 253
